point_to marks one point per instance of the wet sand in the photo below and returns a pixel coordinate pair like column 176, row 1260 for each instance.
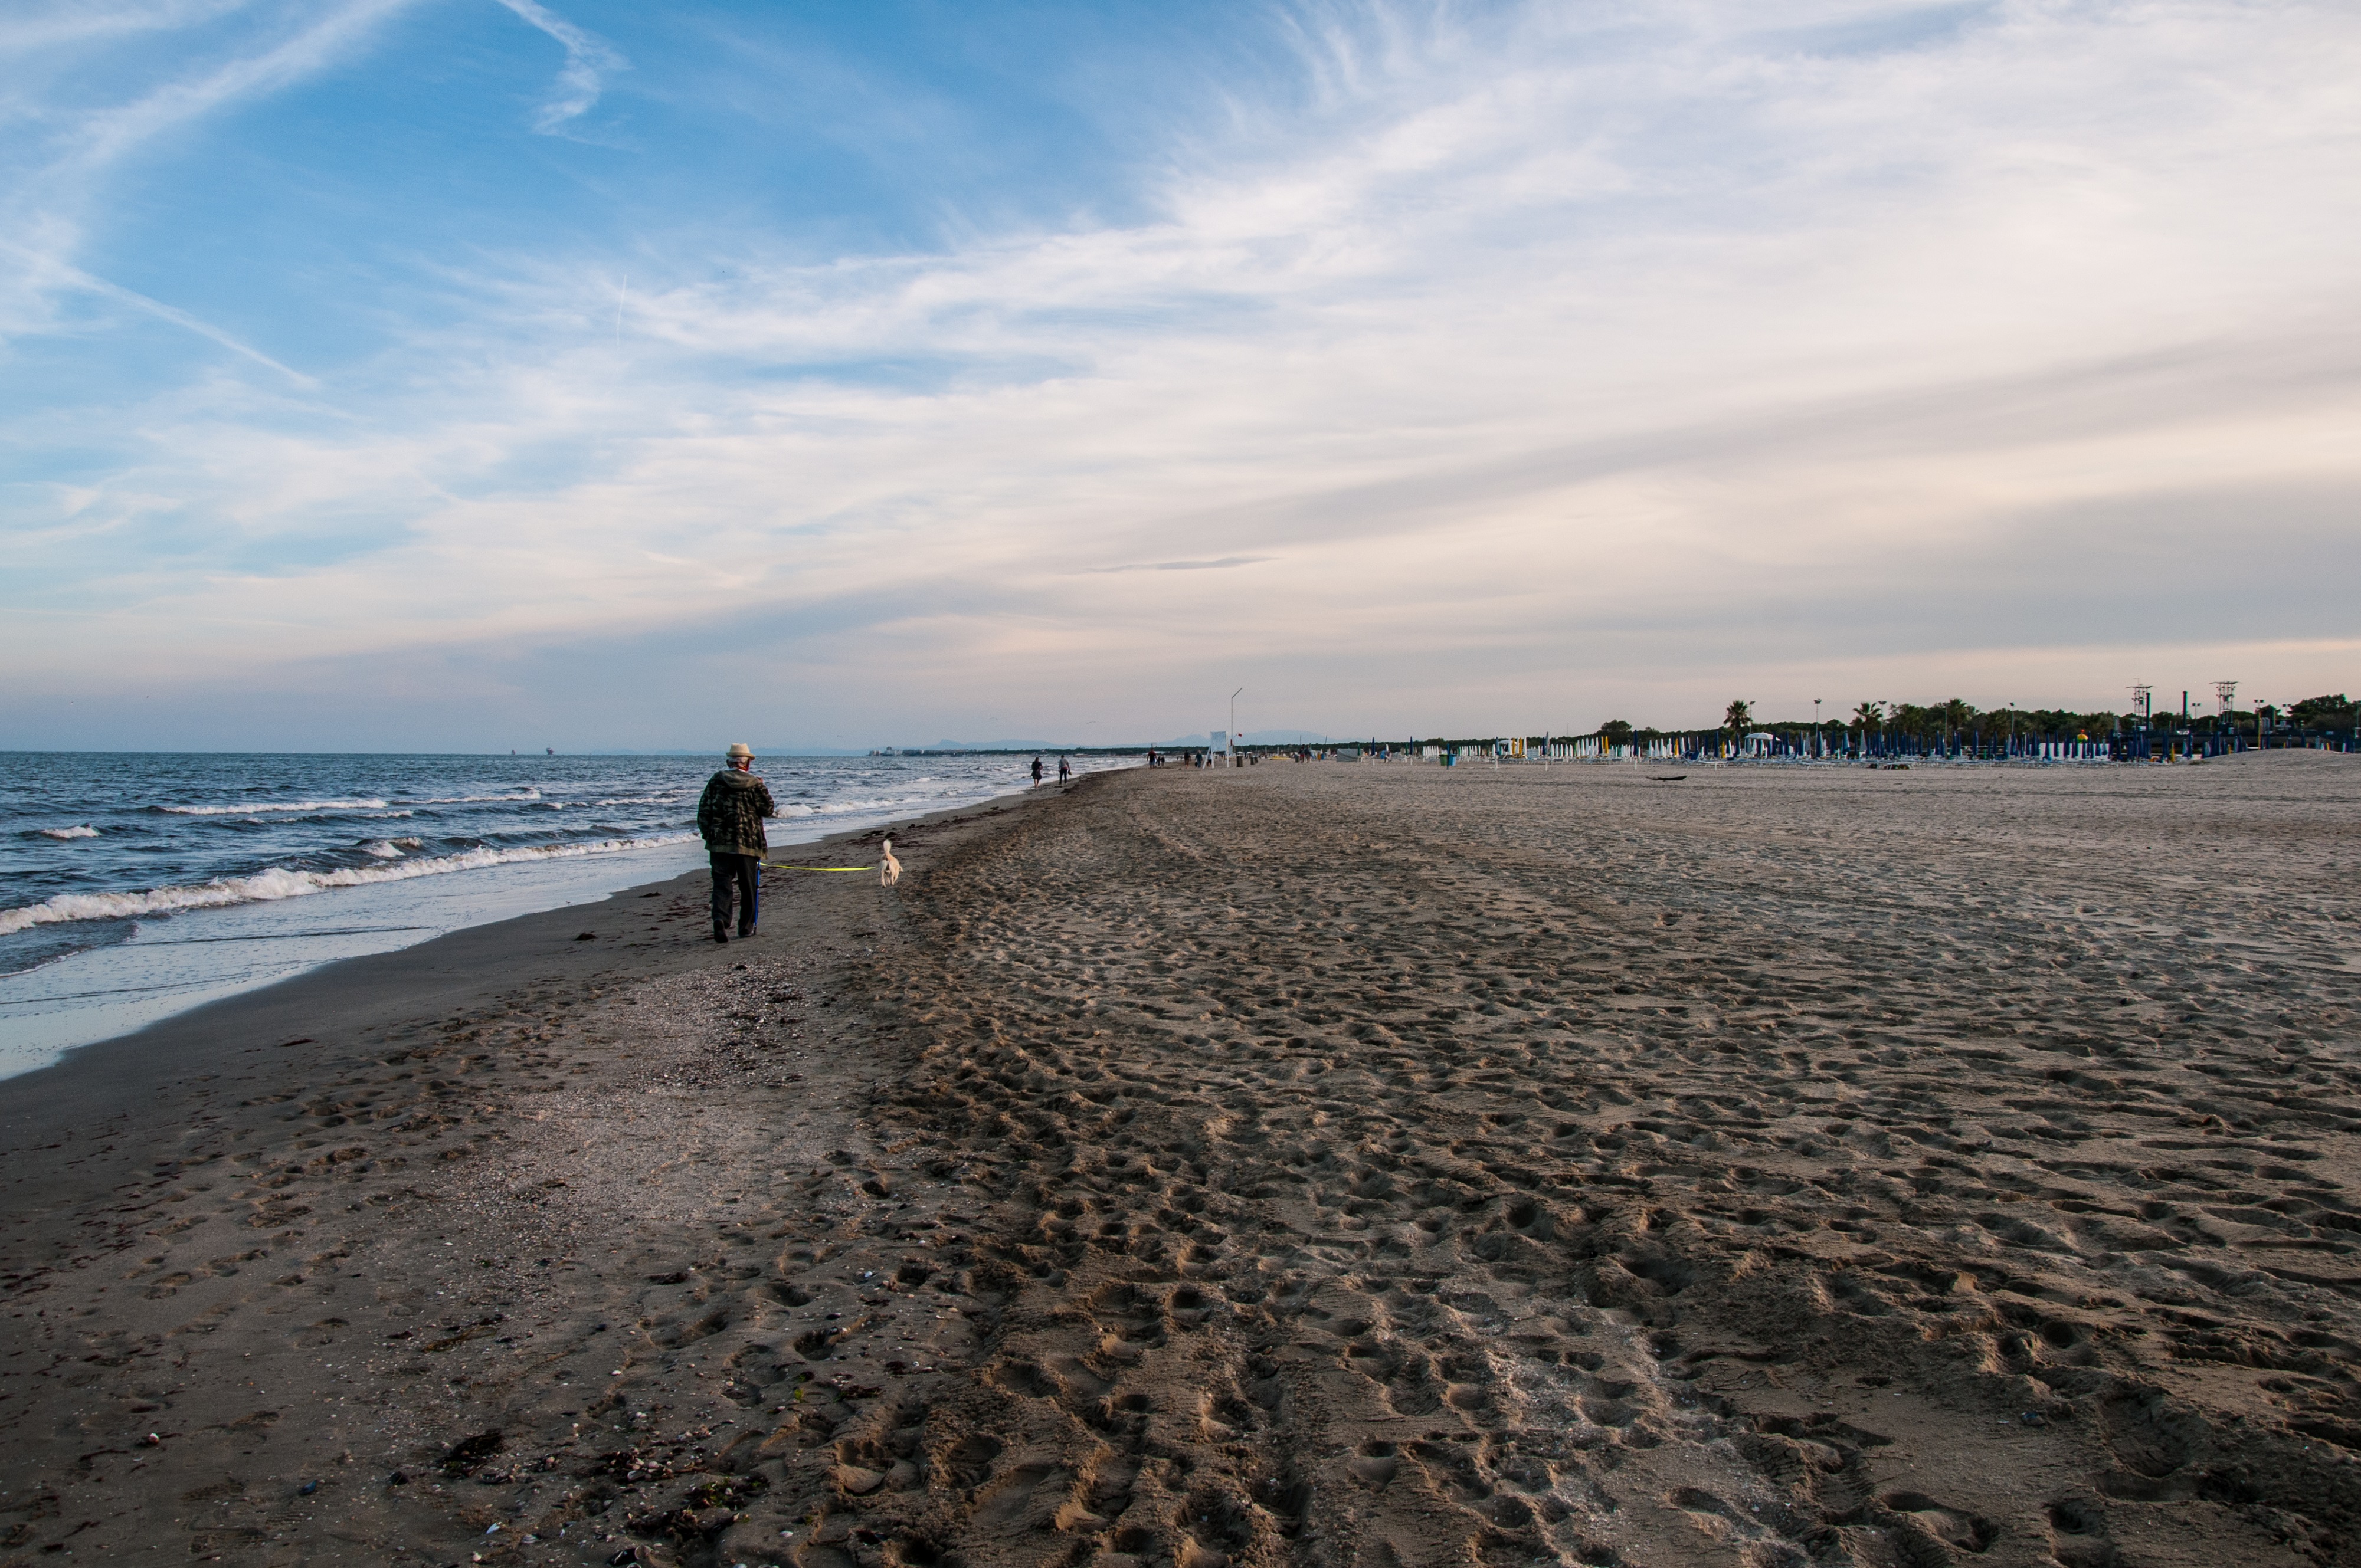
column 1337, row 1163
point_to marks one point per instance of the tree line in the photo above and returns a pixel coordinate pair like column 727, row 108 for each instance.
column 1960, row 721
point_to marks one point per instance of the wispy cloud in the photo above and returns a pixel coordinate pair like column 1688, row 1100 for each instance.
column 108, row 134
column 60, row 167
column 47, row 272
column 1646, row 346
column 31, row 27
column 1186, row 566
column 590, row 60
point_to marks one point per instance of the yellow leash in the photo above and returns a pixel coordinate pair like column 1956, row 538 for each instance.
column 888, row 870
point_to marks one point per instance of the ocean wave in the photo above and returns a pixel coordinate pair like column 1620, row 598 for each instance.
column 273, row 808
column 391, row 848
column 67, row 832
column 841, row 807
column 518, row 797
column 276, row 882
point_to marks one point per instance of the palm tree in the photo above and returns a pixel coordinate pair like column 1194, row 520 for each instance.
column 1871, row 714
column 1909, row 720
column 1741, row 717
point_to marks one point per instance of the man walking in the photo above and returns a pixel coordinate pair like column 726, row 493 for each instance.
column 729, row 815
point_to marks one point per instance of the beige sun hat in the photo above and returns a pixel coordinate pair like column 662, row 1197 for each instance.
column 740, row 748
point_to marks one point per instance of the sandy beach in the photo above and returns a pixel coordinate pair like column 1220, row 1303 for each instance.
column 1325, row 1164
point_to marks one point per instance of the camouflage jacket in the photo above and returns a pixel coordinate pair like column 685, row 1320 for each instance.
column 730, row 814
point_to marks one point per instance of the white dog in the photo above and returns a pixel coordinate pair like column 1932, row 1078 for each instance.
column 889, row 869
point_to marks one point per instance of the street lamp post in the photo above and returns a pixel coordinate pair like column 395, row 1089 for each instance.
column 1233, row 747
column 1816, row 748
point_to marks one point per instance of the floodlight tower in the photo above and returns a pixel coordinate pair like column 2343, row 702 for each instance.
column 2223, row 692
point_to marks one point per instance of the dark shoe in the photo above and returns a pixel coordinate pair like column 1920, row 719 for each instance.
column 745, row 933
column 721, row 933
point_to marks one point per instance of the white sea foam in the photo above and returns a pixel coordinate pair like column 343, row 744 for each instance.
column 277, row 883
column 67, row 832
column 840, row 807
column 273, row 808
column 519, row 797
column 390, row 848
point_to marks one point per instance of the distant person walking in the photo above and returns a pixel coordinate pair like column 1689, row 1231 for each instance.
column 1065, row 770
column 729, row 815
column 1037, row 771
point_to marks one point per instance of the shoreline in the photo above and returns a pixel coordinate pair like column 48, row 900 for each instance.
column 233, row 1210
column 467, row 957
column 1307, row 1164
column 245, row 930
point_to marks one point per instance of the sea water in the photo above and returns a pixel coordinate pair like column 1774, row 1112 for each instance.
column 135, row 885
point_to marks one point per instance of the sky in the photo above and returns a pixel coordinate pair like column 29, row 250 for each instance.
column 469, row 374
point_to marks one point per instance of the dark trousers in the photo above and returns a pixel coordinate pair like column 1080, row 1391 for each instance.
column 742, row 876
